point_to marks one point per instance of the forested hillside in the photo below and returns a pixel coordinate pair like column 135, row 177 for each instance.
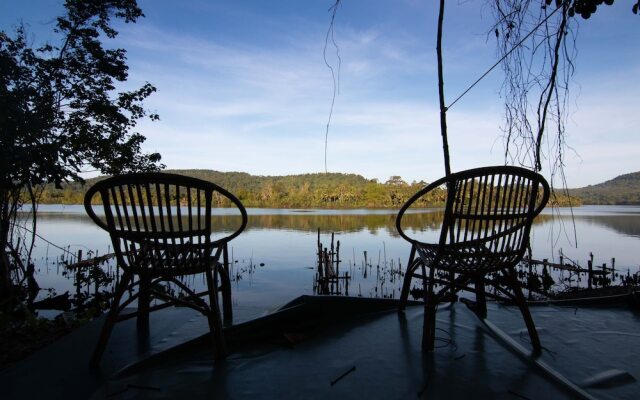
column 624, row 189
column 332, row 190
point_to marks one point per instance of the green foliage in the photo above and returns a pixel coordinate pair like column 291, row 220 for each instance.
column 563, row 200
column 60, row 111
column 623, row 190
column 331, row 190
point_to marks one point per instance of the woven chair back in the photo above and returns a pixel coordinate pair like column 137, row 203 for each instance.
column 161, row 223
column 489, row 214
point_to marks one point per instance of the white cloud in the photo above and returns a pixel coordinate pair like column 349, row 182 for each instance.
column 235, row 105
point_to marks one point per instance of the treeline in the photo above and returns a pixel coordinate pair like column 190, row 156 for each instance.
column 622, row 190
column 331, row 190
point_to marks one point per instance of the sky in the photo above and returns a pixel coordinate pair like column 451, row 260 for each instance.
column 243, row 86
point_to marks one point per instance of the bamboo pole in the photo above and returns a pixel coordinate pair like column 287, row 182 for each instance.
column 443, row 108
column 590, row 267
column 338, row 259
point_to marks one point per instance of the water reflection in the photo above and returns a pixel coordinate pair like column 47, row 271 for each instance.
column 621, row 224
column 621, row 220
column 294, row 220
column 624, row 220
column 285, row 242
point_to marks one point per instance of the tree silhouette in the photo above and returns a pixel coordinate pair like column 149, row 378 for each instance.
column 60, row 114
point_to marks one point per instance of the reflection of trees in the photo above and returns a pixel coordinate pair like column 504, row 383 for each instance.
column 301, row 222
column 345, row 223
column 622, row 224
column 430, row 220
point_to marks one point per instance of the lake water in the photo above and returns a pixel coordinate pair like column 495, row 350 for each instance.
column 276, row 254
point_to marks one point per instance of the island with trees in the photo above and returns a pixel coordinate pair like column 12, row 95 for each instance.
column 319, row 190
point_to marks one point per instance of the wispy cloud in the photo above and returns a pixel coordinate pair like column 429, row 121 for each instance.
column 233, row 104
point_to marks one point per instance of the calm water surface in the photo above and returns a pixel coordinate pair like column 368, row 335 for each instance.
column 284, row 241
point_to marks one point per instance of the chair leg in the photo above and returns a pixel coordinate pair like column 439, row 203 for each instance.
column 411, row 266
column 481, row 298
column 110, row 321
column 429, row 324
column 225, row 281
column 524, row 309
column 452, row 287
column 144, row 302
column 225, row 286
column 213, row 318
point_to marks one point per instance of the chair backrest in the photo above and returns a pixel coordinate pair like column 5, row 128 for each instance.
column 161, row 219
column 488, row 215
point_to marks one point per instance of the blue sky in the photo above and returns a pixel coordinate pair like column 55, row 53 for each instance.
column 242, row 86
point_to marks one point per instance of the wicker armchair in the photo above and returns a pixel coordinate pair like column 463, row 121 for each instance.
column 485, row 232
column 161, row 231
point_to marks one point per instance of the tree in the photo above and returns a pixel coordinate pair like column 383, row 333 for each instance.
column 395, row 180
column 61, row 113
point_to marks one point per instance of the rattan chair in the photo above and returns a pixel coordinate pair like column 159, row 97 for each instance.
column 161, row 231
column 485, row 233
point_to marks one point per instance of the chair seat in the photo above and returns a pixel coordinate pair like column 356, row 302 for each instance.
column 174, row 261
column 465, row 258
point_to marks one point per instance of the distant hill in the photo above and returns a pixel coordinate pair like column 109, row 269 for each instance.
column 622, row 190
column 319, row 190
column 237, row 181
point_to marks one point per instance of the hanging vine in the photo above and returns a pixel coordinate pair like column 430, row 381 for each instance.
column 335, row 75
column 536, row 40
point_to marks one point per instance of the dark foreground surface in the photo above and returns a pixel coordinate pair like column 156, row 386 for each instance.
column 344, row 348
